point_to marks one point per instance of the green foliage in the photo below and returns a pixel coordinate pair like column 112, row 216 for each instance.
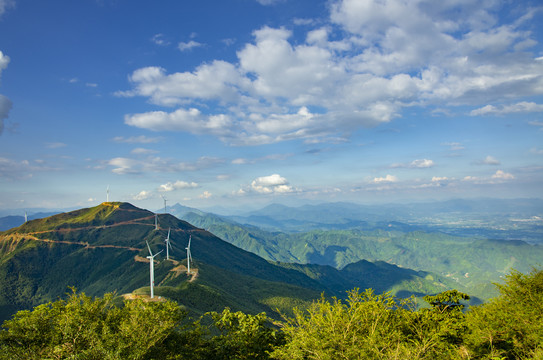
column 81, row 327
column 511, row 325
column 364, row 326
column 242, row 336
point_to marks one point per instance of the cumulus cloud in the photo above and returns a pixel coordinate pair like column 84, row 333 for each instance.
column 501, row 175
column 444, row 54
column 271, row 184
column 386, row 179
column 142, row 195
column 178, row 185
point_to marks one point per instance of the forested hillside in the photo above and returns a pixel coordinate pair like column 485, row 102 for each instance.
column 470, row 263
column 103, row 249
column 364, row 326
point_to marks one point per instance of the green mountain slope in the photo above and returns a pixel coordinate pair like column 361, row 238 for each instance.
column 465, row 262
column 103, row 249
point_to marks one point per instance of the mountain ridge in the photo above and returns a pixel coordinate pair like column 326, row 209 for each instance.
column 103, row 249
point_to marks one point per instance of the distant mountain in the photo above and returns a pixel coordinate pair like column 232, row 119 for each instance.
column 103, row 249
column 507, row 219
column 11, row 221
column 470, row 262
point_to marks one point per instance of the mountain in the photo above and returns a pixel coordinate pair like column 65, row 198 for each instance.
column 11, row 221
column 103, row 249
column 469, row 262
column 518, row 219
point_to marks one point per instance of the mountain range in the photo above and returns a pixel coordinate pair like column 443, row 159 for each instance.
column 103, row 249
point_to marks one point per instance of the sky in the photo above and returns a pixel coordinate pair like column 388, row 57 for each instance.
column 242, row 103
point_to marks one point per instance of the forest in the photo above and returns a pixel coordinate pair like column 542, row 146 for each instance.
column 365, row 325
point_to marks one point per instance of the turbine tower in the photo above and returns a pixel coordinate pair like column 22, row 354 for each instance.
column 165, row 209
column 168, row 245
column 156, row 221
column 189, row 256
column 26, row 217
column 151, row 258
column 107, row 194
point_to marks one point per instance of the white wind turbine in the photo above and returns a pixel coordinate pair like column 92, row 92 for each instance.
column 107, row 194
column 189, row 256
column 151, row 258
column 156, row 221
column 165, row 209
column 168, row 245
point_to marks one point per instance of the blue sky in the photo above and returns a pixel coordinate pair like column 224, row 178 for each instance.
column 246, row 102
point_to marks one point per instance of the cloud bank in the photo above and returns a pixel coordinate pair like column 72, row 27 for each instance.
column 361, row 69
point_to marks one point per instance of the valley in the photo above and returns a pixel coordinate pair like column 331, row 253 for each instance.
column 270, row 267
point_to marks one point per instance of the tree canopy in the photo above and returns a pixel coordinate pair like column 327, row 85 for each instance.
column 365, row 325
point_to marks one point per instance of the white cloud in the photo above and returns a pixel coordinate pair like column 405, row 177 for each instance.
column 5, row 5
column 490, row 160
column 240, row 161
column 416, row 164
column 123, row 165
column 160, row 40
column 142, row 195
column 271, row 184
column 501, row 175
column 191, row 120
column 386, row 179
column 186, row 46
column 439, row 179
column 178, row 185
column 443, row 54
column 205, row 195
column 508, row 109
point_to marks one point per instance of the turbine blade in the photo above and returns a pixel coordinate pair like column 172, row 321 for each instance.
column 148, row 247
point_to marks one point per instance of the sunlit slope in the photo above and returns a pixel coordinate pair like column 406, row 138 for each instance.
column 103, row 249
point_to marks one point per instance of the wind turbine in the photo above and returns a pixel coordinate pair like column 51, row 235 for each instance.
column 151, row 258
column 107, row 194
column 189, row 256
column 165, row 211
column 168, row 245
column 156, row 221
column 26, row 217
